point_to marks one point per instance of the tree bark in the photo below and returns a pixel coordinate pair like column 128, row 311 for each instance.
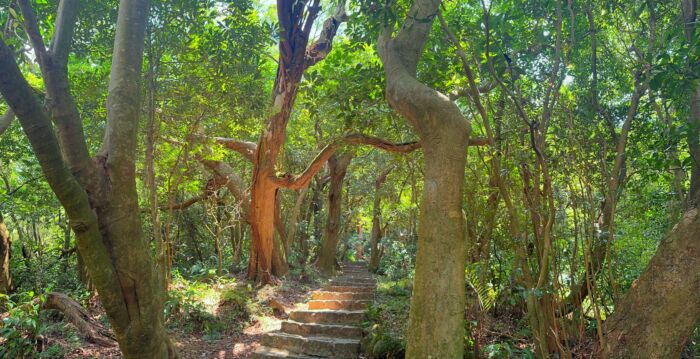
column 293, row 222
column 75, row 314
column 99, row 195
column 661, row 310
column 295, row 20
column 376, row 234
column 338, row 166
column 436, row 328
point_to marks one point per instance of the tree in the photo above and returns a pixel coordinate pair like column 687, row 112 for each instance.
column 296, row 20
column 338, row 167
column 376, row 233
column 660, row 311
column 436, row 326
column 98, row 193
column 5, row 253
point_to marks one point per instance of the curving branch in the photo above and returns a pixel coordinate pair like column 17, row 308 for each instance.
column 182, row 205
column 359, row 139
column 302, row 180
column 31, row 27
column 245, row 148
column 232, row 182
column 322, row 46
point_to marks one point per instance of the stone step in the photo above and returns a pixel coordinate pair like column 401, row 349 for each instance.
column 264, row 352
column 321, row 330
column 356, row 276
column 349, row 288
column 360, row 281
column 334, row 317
column 354, row 264
column 325, row 295
column 365, row 279
column 339, row 304
column 316, row 346
column 352, row 284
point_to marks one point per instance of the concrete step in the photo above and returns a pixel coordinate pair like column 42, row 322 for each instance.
column 274, row 353
column 316, row 346
column 321, row 330
column 349, row 288
column 325, row 295
column 334, row 317
column 339, row 304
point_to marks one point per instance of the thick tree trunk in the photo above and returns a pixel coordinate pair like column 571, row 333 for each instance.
column 338, row 165
column 295, row 56
column 661, row 310
column 436, row 322
column 5, row 255
column 99, row 196
column 262, row 218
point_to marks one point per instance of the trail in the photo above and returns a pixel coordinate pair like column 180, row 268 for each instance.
column 330, row 327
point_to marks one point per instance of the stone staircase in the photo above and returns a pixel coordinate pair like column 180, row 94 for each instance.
column 330, row 327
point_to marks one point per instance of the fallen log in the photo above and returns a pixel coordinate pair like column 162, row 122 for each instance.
column 74, row 313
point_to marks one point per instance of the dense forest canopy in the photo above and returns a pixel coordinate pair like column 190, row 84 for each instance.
column 520, row 178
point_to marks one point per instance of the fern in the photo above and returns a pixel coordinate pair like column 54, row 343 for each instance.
column 484, row 292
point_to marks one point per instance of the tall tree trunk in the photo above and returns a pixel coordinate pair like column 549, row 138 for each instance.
column 661, row 310
column 99, row 195
column 296, row 20
column 436, row 327
column 376, row 234
column 338, row 166
column 317, row 208
column 152, row 133
column 293, row 222
column 5, row 256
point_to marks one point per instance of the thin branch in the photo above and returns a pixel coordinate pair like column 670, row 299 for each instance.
column 182, row 205
column 359, row 139
column 31, row 26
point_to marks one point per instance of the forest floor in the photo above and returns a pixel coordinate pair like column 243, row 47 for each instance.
column 215, row 318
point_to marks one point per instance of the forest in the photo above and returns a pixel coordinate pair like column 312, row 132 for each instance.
column 349, row 179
